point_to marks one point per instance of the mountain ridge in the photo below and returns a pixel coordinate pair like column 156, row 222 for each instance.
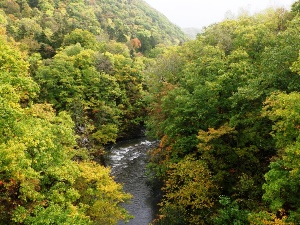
column 36, row 22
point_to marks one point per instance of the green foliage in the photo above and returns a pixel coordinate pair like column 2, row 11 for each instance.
column 128, row 74
column 282, row 186
column 40, row 183
column 85, row 38
column 42, row 25
column 14, row 70
column 208, row 99
column 230, row 213
column 283, row 109
column 225, row 107
column 70, row 79
column 134, row 19
column 85, row 64
column 296, row 7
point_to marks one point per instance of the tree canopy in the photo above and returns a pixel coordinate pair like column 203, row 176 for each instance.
column 40, row 181
column 79, row 75
column 229, row 100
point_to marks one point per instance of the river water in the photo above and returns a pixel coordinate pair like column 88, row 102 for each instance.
column 128, row 160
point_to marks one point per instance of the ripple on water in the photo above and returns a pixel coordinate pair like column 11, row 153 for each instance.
column 128, row 162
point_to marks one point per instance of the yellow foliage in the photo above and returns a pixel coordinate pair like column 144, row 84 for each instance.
column 265, row 218
column 101, row 194
column 189, row 187
column 206, row 136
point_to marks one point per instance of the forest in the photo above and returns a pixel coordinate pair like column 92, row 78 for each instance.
column 77, row 75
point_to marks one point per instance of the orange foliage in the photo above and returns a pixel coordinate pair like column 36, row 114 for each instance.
column 135, row 43
column 162, row 153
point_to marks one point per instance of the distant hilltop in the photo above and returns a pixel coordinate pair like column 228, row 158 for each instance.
column 192, row 32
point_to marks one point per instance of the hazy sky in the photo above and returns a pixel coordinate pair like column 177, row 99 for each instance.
column 199, row 13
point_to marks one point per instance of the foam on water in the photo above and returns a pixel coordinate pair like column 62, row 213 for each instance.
column 128, row 162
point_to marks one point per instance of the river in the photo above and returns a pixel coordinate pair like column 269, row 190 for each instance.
column 128, row 160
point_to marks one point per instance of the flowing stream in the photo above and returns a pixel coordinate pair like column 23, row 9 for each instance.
column 128, row 162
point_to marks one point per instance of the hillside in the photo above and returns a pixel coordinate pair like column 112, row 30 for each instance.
column 137, row 18
column 124, row 28
column 71, row 81
column 76, row 76
column 43, row 24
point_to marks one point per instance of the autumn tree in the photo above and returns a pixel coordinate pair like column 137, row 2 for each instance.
column 189, row 192
column 40, row 182
column 210, row 106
